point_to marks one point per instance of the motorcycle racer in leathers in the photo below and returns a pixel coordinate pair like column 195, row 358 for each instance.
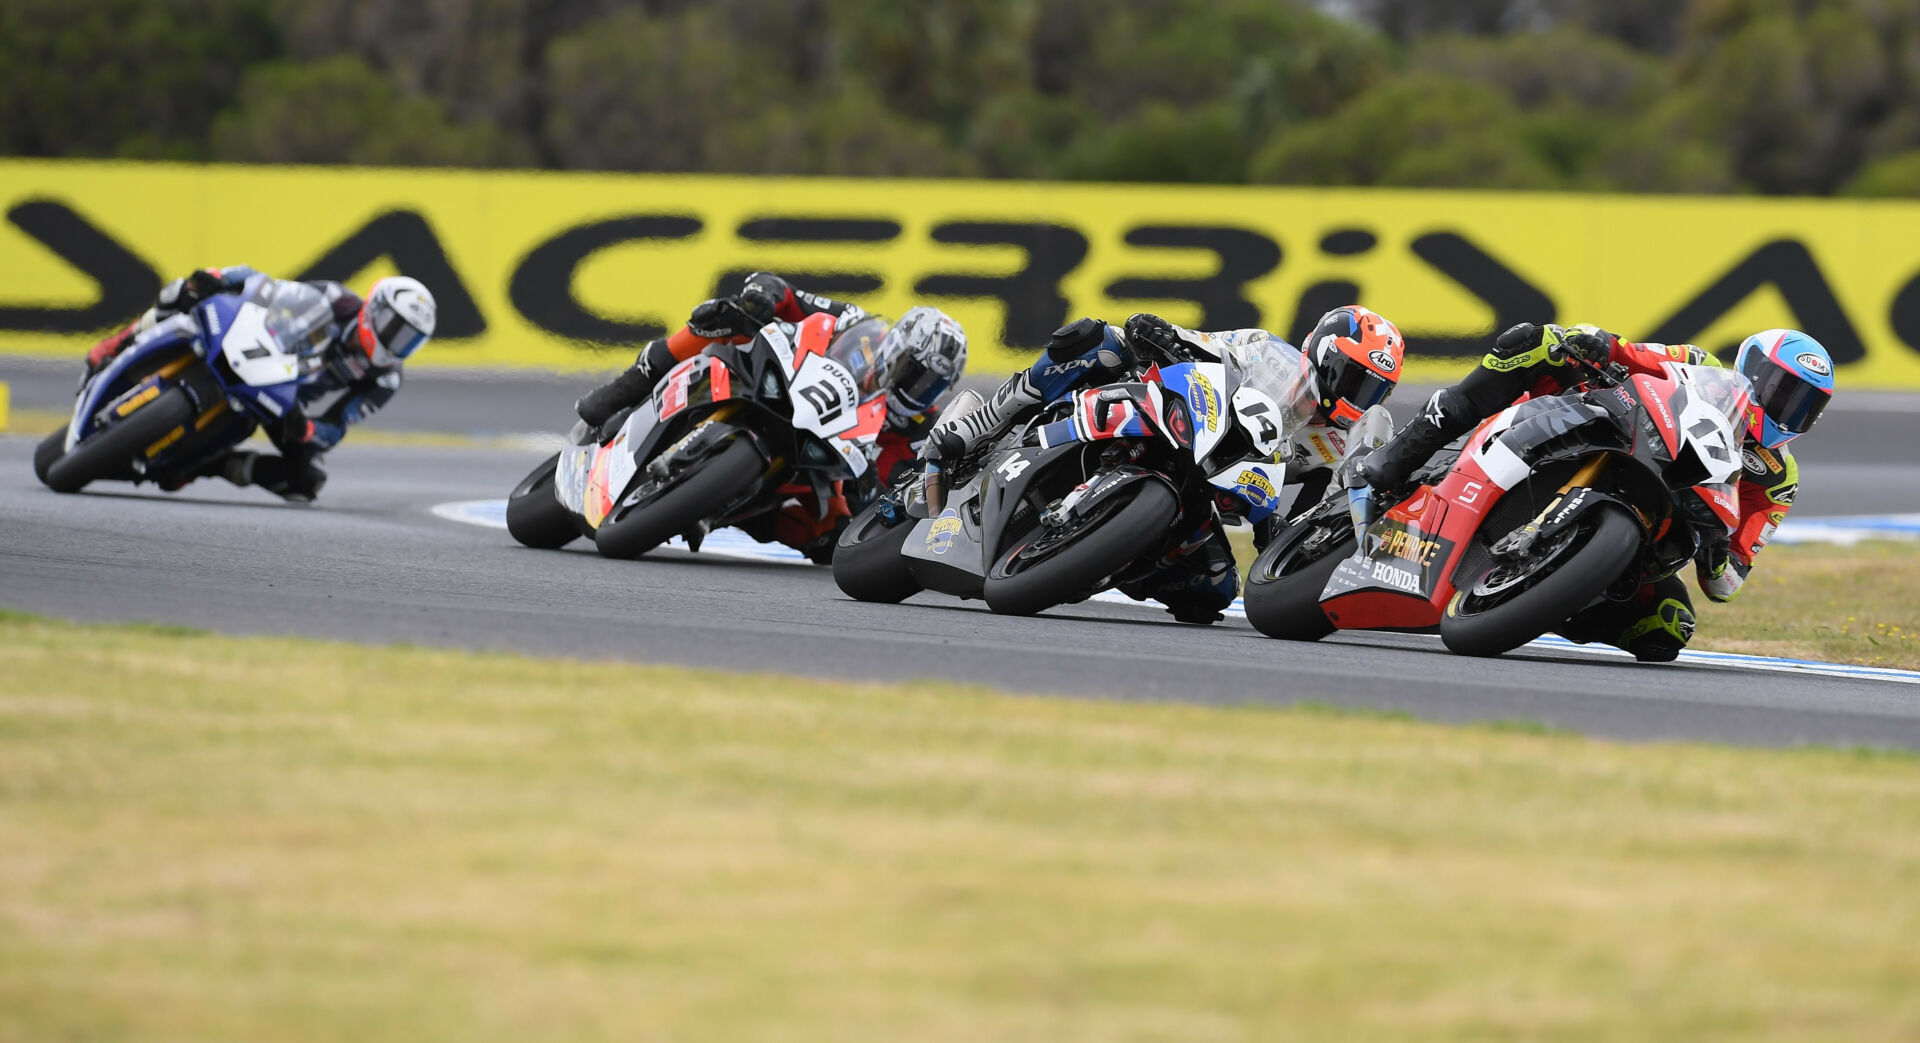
column 1350, row 362
column 363, row 346
column 917, row 358
column 1792, row 380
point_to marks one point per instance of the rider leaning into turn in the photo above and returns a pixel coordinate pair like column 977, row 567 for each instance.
column 917, row 359
column 1792, row 380
column 366, row 344
column 1351, row 362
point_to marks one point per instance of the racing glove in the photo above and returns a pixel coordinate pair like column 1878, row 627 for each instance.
column 1156, row 333
column 721, row 318
column 181, row 294
column 1719, row 572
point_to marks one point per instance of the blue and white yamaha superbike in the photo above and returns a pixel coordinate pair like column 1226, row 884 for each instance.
column 1091, row 494
column 191, row 386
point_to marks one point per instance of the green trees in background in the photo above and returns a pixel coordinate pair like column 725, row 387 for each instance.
column 1776, row 96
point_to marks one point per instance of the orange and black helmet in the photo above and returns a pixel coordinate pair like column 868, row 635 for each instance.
column 1355, row 356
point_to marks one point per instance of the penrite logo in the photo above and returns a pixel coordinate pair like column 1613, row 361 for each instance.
column 1396, row 577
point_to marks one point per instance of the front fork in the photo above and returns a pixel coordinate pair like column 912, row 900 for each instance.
column 1520, row 541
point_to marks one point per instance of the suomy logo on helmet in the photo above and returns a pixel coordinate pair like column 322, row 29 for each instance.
column 1382, row 359
column 1814, row 363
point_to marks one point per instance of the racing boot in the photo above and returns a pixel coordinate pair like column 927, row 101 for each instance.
column 295, row 479
column 1444, row 419
column 1655, row 626
column 1196, row 581
column 630, row 388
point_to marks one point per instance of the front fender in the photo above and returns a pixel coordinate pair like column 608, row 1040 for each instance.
column 111, row 381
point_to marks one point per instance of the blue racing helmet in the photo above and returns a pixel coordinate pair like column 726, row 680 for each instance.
column 1792, row 378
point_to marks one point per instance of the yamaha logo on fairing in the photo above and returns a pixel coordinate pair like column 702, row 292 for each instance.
column 1814, row 364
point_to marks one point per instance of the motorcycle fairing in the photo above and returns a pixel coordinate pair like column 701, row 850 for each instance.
column 955, row 561
column 1258, row 483
column 1204, row 386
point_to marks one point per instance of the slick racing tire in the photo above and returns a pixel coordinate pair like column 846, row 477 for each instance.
column 1284, row 585
column 47, row 452
column 110, row 453
column 1018, row 586
column 1600, row 547
column 714, row 483
column 868, row 564
column 535, row 515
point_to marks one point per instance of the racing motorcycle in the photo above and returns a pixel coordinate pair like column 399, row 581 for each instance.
column 1548, row 507
column 1092, row 493
column 191, row 386
column 727, row 436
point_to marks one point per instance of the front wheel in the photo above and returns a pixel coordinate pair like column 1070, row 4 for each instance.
column 50, row 449
column 868, row 564
column 715, row 482
column 1285, row 583
column 1513, row 602
column 110, row 453
column 1045, row 568
column 535, row 515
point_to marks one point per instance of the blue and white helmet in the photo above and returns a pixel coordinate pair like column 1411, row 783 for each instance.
column 1792, row 378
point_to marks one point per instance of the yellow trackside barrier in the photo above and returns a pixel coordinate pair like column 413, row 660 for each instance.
column 6, row 405
column 573, row 271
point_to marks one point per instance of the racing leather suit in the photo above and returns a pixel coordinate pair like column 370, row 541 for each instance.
column 346, row 389
column 1534, row 361
column 1198, row 579
column 802, row 523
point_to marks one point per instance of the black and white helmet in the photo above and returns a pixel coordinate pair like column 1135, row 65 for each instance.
column 925, row 352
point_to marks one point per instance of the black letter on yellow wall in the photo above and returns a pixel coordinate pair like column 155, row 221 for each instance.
column 1513, row 299
column 127, row 284
column 1032, row 294
column 1244, row 256
column 542, row 286
column 806, row 230
column 406, row 239
column 1790, row 268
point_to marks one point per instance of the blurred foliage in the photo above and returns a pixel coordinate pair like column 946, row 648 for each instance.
column 1774, row 96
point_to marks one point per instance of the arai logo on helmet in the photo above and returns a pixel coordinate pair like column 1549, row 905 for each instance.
column 1814, row 363
column 1382, row 359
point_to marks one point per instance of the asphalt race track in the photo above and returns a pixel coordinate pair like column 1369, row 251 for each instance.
column 371, row 563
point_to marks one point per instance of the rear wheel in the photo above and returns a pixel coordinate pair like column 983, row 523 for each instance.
column 1049, row 568
column 535, row 515
column 868, row 564
column 1512, row 602
column 1284, row 585
column 110, row 453
column 715, row 482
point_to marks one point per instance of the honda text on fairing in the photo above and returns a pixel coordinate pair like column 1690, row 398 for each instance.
column 727, row 436
column 1094, row 490
column 191, row 386
column 1552, row 505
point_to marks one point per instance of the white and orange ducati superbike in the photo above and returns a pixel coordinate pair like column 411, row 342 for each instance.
column 736, row 433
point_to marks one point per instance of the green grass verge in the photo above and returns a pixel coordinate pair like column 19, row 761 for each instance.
column 207, row 838
column 1809, row 601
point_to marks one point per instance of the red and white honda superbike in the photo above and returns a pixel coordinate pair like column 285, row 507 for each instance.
column 1550, row 506
column 728, row 435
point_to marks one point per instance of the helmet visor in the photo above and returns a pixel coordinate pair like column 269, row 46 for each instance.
column 399, row 335
column 1357, row 385
column 1784, row 396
